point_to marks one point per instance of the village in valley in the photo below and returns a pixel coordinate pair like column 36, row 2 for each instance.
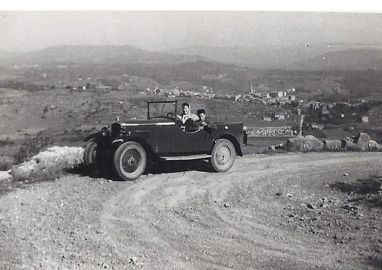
column 284, row 107
column 269, row 103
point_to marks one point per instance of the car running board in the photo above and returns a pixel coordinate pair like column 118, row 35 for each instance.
column 190, row 157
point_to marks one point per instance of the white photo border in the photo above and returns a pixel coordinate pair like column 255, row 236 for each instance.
column 364, row 6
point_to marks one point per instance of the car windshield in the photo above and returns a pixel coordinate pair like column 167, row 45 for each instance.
column 161, row 109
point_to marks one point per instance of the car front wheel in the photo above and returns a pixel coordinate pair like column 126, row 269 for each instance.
column 223, row 155
column 130, row 160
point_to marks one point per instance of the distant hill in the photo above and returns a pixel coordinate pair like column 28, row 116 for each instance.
column 306, row 57
column 352, row 59
column 214, row 74
column 303, row 57
column 96, row 55
column 263, row 57
column 68, row 63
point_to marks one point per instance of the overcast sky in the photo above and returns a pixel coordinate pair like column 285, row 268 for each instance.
column 29, row 30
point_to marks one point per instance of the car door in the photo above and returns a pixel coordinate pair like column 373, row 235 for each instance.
column 158, row 134
column 192, row 142
column 162, row 137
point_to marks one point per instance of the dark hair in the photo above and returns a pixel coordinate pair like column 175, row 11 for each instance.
column 186, row 104
column 200, row 111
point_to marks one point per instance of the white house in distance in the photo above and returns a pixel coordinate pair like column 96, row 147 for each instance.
column 267, row 118
column 279, row 116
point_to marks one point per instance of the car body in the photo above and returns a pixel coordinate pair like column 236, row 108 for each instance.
column 162, row 137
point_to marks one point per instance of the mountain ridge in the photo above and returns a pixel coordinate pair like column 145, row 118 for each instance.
column 303, row 57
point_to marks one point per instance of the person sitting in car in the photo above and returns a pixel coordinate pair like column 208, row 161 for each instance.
column 202, row 122
column 186, row 114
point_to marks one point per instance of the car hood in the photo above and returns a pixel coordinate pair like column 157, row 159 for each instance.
column 156, row 121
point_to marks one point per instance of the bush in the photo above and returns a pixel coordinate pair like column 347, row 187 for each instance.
column 31, row 147
column 6, row 142
column 5, row 163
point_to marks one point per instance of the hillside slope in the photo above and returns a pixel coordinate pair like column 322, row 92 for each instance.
column 96, row 55
column 356, row 59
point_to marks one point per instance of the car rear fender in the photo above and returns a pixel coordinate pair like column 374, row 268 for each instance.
column 234, row 141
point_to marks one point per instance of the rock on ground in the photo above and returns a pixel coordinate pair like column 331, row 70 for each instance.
column 304, row 144
column 332, row 145
column 54, row 158
column 349, row 145
column 309, row 143
column 362, row 141
column 5, row 175
column 374, row 146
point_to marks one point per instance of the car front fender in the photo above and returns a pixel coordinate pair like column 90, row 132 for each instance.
column 234, row 141
column 148, row 148
column 93, row 136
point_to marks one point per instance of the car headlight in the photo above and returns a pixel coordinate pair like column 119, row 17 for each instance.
column 104, row 131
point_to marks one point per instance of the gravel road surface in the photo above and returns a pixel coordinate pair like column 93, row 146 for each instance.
column 289, row 211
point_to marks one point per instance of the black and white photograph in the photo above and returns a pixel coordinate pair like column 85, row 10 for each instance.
column 191, row 139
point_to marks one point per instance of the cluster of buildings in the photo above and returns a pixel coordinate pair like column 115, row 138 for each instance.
column 276, row 116
column 97, row 87
column 268, row 98
column 335, row 112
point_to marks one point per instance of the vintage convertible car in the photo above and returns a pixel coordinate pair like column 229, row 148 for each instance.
column 129, row 145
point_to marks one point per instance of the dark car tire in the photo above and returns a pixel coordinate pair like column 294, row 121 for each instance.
column 90, row 153
column 223, row 155
column 130, row 160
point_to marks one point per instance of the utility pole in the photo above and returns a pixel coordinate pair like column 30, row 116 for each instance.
column 301, row 122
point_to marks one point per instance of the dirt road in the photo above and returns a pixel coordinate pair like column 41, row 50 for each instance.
column 292, row 211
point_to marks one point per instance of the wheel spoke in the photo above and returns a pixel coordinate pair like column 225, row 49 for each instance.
column 223, row 155
column 131, row 160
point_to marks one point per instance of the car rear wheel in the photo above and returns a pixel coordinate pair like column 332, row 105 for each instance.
column 130, row 160
column 90, row 153
column 223, row 155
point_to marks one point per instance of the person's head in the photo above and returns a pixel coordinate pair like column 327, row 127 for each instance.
column 186, row 108
column 201, row 114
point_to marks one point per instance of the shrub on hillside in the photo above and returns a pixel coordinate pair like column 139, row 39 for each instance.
column 6, row 142
column 31, row 147
column 5, row 163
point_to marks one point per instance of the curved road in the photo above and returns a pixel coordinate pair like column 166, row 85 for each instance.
column 253, row 217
